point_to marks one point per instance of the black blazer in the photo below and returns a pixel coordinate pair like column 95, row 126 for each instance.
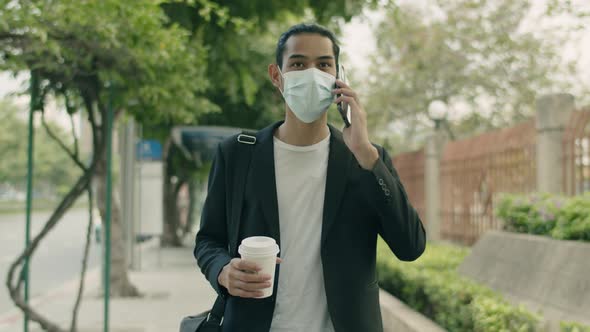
column 359, row 205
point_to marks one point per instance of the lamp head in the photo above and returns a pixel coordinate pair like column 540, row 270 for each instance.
column 437, row 110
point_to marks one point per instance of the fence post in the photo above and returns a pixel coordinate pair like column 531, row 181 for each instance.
column 434, row 147
column 553, row 113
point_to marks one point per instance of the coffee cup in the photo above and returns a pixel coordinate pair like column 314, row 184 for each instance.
column 262, row 251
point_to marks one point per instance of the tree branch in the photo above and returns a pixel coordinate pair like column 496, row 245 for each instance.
column 14, row 290
column 84, row 260
column 71, row 111
column 72, row 155
column 90, row 110
column 76, row 145
column 69, row 199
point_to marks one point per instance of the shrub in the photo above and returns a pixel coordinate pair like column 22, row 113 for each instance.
column 432, row 286
column 573, row 327
column 574, row 220
column 494, row 314
column 564, row 218
column 535, row 214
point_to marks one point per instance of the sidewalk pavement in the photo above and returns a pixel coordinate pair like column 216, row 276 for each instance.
column 172, row 288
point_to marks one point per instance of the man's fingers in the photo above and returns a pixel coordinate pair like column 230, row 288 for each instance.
column 341, row 84
column 354, row 106
column 342, row 98
column 251, row 286
column 357, row 114
column 279, row 260
column 345, row 91
column 243, row 265
column 249, row 277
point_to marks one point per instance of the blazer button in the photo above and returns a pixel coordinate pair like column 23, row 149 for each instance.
column 381, row 182
column 387, row 192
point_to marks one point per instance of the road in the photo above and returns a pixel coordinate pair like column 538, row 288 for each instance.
column 58, row 258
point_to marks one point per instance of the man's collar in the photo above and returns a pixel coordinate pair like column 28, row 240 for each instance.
column 266, row 134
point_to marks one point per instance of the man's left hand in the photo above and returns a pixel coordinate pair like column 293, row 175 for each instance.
column 356, row 136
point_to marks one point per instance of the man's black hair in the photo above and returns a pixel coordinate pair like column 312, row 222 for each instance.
column 305, row 28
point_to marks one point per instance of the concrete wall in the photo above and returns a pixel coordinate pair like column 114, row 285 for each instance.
column 539, row 272
column 398, row 317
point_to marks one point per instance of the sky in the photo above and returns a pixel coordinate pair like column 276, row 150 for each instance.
column 9, row 85
column 357, row 44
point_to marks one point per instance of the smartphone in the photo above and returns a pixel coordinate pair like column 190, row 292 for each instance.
column 343, row 107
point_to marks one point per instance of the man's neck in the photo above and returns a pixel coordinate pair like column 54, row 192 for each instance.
column 298, row 133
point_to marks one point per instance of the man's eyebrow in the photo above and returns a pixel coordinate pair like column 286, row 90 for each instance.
column 297, row 56
column 301, row 56
column 326, row 57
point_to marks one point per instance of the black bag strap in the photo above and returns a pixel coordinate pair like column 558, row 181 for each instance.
column 215, row 317
column 247, row 140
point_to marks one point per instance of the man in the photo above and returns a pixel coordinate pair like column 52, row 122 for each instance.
column 322, row 194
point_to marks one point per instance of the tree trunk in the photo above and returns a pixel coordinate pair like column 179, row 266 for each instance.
column 192, row 192
column 170, row 237
column 121, row 286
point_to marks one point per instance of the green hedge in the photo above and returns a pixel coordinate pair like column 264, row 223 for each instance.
column 573, row 327
column 432, row 286
column 564, row 218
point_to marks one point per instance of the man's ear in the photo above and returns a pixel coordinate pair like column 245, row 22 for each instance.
column 275, row 76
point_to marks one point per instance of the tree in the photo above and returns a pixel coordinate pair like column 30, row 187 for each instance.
column 92, row 55
column 462, row 52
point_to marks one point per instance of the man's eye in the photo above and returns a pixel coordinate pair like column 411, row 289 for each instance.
column 325, row 65
column 297, row 64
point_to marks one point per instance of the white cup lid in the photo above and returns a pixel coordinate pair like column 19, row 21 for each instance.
column 259, row 246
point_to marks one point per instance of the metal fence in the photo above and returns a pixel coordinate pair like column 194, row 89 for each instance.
column 475, row 171
column 576, row 147
column 410, row 167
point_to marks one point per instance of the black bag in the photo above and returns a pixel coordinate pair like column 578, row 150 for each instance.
column 212, row 320
column 208, row 321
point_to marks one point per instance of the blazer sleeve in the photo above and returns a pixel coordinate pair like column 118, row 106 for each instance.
column 211, row 243
column 398, row 222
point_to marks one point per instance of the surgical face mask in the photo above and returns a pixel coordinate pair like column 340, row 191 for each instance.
column 308, row 93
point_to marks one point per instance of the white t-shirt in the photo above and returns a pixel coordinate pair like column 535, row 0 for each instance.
column 301, row 303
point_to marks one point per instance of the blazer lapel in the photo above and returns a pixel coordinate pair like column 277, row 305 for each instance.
column 339, row 161
column 263, row 178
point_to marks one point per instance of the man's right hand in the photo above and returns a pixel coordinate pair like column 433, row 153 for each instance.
column 241, row 278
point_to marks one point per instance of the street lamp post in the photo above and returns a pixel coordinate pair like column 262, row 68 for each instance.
column 437, row 111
